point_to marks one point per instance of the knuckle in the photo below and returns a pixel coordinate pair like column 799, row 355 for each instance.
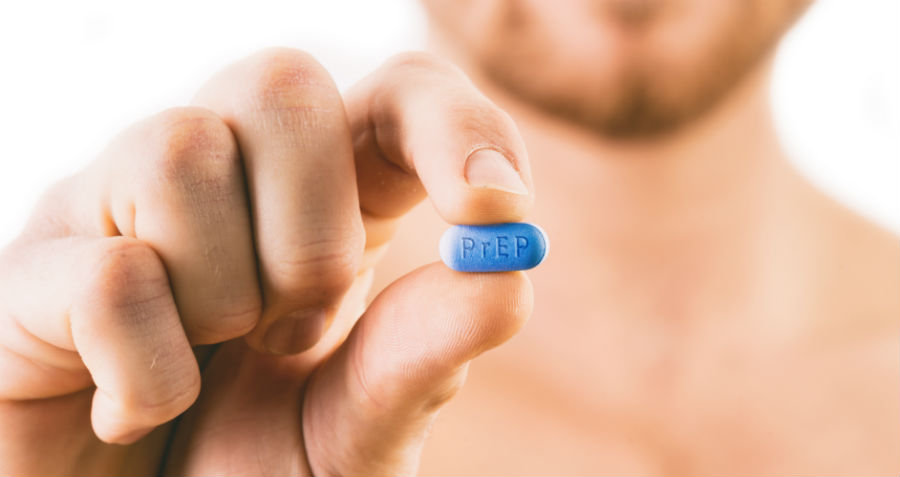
column 503, row 122
column 482, row 119
column 322, row 269
column 420, row 61
column 462, row 106
column 238, row 321
column 194, row 146
column 225, row 325
column 288, row 79
column 127, row 271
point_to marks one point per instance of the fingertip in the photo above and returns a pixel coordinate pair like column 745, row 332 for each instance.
column 507, row 301
column 128, row 438
column 429, row 121
column 406, row 358
column 487, row 185
column 463, row 204
column 109, row 424
column 126, row 416
column 459, row 314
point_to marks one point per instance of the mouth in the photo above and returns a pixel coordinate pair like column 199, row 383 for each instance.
column 631, row 14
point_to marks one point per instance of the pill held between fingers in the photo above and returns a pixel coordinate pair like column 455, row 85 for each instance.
column 493, row 248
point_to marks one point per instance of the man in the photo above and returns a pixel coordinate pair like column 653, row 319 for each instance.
column 703, row 310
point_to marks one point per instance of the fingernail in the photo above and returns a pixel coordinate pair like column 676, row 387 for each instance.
column 488, row 168
column 295, row 332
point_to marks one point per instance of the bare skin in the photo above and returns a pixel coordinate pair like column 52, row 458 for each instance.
column 727, row 318
column 703, row 309
column 740, row 326
column 253, row 221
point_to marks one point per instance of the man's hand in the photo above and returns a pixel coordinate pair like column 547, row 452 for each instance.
column 254, row 219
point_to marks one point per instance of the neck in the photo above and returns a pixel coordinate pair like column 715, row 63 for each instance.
column 690, row 217
column 713, row 177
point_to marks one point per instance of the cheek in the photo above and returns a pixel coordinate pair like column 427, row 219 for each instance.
column 470, row 22
column 696, row 47
column 689, row 28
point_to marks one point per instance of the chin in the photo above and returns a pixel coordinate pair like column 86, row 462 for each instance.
column 625, row 68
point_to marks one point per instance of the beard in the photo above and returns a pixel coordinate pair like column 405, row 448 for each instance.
column 649, row 88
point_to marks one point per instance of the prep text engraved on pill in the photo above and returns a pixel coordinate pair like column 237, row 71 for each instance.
column 499, row 245
column 493, row 248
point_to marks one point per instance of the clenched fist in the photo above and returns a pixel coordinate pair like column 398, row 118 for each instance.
column 252, row 221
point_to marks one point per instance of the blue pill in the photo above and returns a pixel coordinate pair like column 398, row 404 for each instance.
column 493, row 248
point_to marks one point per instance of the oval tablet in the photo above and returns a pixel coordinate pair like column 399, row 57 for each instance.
column 493, row 248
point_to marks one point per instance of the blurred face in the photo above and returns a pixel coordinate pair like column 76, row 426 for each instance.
column 625, row 68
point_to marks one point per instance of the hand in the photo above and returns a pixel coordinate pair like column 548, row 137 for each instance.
column 254, row 219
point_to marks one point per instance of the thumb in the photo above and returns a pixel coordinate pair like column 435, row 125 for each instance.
column 369, row 408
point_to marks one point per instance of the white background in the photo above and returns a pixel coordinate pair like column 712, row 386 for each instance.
column 72, row 74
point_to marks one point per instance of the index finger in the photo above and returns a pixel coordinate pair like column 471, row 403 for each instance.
column 419, row 126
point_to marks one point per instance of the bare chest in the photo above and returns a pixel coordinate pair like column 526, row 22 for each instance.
column 605, row 380
column 517, row 420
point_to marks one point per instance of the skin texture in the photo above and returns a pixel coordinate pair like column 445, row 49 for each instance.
column 257, row 265
column 622, row 68
column 214, row 263
column 704, row 311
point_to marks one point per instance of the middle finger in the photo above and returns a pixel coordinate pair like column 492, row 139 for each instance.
column 293, row 134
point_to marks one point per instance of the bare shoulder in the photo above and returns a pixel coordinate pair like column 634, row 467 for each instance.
column 864, row 297
column 854, row 344
column 865, row 285
column 859, row 289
